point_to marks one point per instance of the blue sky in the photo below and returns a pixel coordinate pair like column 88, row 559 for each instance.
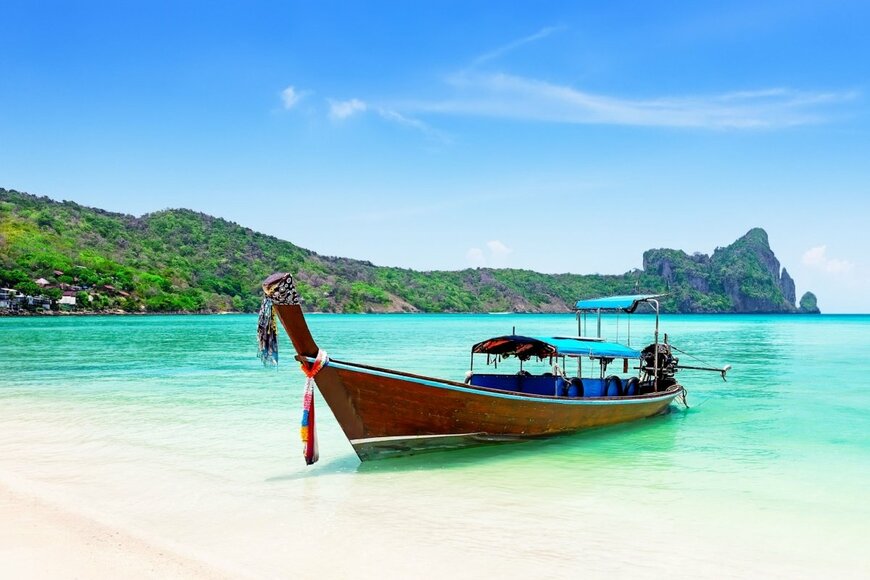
column 560, row 137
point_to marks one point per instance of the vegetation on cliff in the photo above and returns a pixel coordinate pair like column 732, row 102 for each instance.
column 185, row 261
column 808, row 304
column 742, row 277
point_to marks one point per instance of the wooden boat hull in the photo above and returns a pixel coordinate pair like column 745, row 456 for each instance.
column 385, row 412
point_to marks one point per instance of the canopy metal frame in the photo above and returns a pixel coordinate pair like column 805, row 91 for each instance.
column 629, row 309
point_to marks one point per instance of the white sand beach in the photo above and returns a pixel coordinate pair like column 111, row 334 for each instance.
column 41, row 540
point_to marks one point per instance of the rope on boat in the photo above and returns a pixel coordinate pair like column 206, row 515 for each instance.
column 308, row 431
column 691, row 356
column 707, row 398
column 683, row 395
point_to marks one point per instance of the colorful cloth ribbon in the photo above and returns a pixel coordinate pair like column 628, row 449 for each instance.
column 308, row 432
column 267, row 334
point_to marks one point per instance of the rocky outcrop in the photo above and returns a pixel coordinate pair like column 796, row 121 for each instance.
column 751, row 275
column 786, row 284
column 809, row 304
column 745, row 276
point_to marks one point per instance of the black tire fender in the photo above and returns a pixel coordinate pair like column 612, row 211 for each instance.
column 612, row 380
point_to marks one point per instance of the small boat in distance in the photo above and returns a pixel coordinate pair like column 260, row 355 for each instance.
column 385, row 412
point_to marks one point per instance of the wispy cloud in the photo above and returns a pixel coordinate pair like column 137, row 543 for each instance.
column 511, row 46
column 290, row 97
column 496, row 255
column 521, row 98
column 473, row 92
column 817, row 257
column 340, row 110
column 475, row 257
column 498, row 252
column 412, row 123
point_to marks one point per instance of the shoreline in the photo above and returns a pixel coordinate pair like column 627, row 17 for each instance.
column 50, row 314
column 87, row 313
column 40, row 539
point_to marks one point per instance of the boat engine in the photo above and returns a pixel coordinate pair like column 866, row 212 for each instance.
column 667, row 364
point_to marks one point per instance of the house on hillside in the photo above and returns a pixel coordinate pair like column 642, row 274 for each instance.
column 68, row 299
column 41, row 282
column 14, row 301
column 38, row 302
column 7, row 298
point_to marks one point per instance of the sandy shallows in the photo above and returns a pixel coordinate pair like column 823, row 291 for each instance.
column 40, row 540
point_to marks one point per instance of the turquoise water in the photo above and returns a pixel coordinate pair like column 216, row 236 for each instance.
column 169, row 427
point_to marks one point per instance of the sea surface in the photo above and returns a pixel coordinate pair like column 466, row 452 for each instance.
column 171, row 428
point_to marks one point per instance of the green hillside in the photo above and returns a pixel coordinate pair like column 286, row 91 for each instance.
column 185, row 261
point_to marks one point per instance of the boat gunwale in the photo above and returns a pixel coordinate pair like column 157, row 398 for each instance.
column 671, row 392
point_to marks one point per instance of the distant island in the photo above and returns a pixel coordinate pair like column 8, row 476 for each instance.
column 61, row 255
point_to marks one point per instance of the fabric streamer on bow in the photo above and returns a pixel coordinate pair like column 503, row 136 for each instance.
column 308, row 432
column 267, row 334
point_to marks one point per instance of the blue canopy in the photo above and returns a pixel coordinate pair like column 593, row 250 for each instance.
column 526, row 347
column 624, row 303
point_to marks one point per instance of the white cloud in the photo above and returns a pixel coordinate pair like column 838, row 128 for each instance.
column 817, row 258
column 499, row 252
column 502, row 50
column 410, row 122
column 475, row 92
column 515, row 97
column 475, row 257
column 291, row 97
column 339, row 110
column 495, row 256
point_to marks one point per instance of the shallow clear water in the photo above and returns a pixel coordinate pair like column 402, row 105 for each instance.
column 169, row 426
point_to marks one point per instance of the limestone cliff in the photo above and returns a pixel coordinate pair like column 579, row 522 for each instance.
column 745, row 276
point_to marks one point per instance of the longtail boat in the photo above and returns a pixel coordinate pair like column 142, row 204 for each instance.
column 385, row 412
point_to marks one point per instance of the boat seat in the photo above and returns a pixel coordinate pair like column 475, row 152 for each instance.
column 534, row 384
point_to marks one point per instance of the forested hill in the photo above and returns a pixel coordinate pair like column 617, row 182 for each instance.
column 184, row 261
